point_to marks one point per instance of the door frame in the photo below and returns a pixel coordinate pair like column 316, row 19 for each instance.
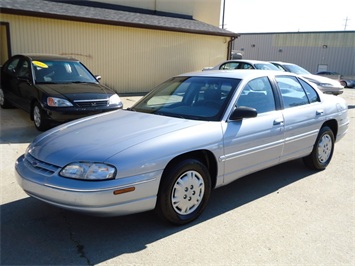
column 4, row 55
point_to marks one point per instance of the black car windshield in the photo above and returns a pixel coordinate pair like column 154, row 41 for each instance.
column 198, row 98
column 56, row 71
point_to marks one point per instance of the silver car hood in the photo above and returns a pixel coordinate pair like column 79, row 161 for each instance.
column 323, row 80
column 99, row 137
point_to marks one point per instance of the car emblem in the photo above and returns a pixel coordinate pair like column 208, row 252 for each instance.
column 93, row 104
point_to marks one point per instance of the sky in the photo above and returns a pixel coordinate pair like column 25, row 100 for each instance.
column 250, row 16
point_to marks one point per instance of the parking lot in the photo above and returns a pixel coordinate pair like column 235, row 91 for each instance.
column 285, row 215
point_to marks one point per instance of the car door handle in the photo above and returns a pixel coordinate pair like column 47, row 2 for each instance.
column 319, row 112
column 278, row 121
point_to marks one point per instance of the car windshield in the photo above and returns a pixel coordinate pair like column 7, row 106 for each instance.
column 198, row 98
column 48, row 71
column 296, row 69
column 262, row 66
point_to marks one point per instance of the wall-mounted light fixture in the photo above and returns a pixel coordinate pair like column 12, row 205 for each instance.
column 325, row 46
column 253, row 45
column 280, row 50
column 241, row 49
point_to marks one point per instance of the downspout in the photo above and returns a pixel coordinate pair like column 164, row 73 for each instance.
column 230, row 44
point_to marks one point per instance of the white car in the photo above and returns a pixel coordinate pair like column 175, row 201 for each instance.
column 326, row 85
column 193, row 133
column 242, row 64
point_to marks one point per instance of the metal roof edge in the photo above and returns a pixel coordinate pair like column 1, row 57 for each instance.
column 21, row 12
column 296, row 32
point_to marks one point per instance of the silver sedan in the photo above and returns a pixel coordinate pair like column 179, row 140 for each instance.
column 326, row 85
column 191, row 134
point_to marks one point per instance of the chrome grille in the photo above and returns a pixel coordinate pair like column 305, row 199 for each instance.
column 40, row 166
column 92, row 103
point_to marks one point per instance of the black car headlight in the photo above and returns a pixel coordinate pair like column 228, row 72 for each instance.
column 58, row 102
column 114, row 100
column 88, row 171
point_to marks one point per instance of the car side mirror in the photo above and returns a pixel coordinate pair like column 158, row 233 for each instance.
column 243, row 112
column 98, row 77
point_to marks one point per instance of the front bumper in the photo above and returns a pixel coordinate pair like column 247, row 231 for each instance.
column 65, row 114
column 331, row 90
column 98, row 198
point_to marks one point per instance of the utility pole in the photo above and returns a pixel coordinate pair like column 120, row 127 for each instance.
column 223, row 10
column 346, row 23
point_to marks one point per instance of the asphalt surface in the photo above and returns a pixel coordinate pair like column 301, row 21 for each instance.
column 286, row 215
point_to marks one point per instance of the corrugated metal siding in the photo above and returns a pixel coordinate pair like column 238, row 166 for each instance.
column 130, row 60
column 341, row 39
column 304, row 49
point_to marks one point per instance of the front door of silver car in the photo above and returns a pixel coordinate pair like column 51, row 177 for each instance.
column 255, row 143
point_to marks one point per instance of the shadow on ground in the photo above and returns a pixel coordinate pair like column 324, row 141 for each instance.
column 34, row 233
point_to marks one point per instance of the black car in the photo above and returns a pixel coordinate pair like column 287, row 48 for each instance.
column 53, row 89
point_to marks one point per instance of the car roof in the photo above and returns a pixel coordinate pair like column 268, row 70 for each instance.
column 40, row 57
column 252, row 61
column 281, row 63
column 239, row 74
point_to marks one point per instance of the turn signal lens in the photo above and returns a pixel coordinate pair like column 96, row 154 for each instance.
column 124, row 190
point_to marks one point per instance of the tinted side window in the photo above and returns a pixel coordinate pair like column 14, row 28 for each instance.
column 311, row 93
column 292, row 92
column 258, row 94
column 279, row 67
column 24, row 69
column 246, row 66
column 231, row 65
column 11, row 67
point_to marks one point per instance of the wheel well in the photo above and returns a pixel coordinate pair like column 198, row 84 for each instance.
column 333, row 125
column 204, row 156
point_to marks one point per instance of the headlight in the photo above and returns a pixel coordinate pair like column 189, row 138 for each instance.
column 88, row 171
column 325, row 84
column 58, row 102
column 114, row 100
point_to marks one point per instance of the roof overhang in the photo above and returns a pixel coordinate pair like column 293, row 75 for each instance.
column 63, row 11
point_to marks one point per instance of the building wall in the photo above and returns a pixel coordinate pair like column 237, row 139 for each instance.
column 207, row 11
column 130, row 60
column 312, row 50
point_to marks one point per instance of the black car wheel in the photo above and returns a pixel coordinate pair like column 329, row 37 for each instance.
column 322, row 151
column 343, row 83
column 39, row 118
column 184, row 191
column 3, row 102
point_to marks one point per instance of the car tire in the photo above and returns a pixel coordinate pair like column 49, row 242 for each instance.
column 322, row 151
column 39, row 117
column 343, row 83
column 3, row 102
column 184, row 192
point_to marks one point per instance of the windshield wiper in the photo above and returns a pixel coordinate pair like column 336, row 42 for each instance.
column 46, row 82
column 78, row 82
column 170, row 115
